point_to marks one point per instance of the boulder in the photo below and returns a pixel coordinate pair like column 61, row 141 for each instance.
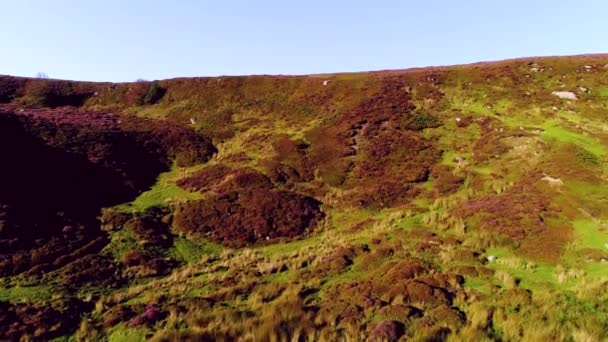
column 566, row 95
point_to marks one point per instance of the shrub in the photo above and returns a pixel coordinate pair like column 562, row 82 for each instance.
column 53, row 93
column 422, row 121
column 217, row 125
column 585, row 157
column 154, row 94
column 9, row 88
column 245, row 209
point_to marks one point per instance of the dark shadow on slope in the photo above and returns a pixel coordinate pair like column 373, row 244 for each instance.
column 55, row 178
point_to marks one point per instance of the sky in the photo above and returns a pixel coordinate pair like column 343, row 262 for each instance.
column 125, row 40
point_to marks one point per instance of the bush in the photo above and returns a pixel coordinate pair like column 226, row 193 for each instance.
column 154, row 94
column 422, row 121
column 585, row 157
column 9, row 88
column 53, row 93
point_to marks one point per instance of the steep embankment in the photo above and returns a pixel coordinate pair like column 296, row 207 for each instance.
column 465, row 201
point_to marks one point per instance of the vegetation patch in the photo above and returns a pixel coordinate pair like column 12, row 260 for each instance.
column 245, row 208
column 554, row 132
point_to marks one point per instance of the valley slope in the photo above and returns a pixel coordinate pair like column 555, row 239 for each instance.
column 446, row 203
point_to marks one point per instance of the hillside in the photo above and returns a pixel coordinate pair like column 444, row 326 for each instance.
column 445, row 203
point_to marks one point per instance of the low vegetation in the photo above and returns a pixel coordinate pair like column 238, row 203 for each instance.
column 463, row 203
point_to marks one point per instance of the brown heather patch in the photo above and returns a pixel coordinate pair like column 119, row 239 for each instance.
column 526, row 213
column 40, row 322
column 490, row 144
column 548, row 244
column 291, row 163
column 205, row 179
column 446, row 181
column 337, row 262
column 243, row 207
column 370, row 150
column 563, row 163
column 516, row 213
column 407, row 282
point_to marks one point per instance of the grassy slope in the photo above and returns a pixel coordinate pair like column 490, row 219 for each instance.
column 542, row 134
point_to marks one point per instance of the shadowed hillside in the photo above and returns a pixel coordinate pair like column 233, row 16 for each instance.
column 447, row 203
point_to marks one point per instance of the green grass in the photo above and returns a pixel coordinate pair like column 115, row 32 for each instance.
column 121, row 242
column 532, row 275
column 191, row 252
column 120, row 333
column 538, row 277
column 485, row 170
column 591, row 196
column 588, row 235
column 163, row 192
column 66, row 338
column 601, row 91
column 596, row 269
column 289, row 247
column 202, row 291
column 553, row 132
column 571, row 116
column 25, row 294
column 503, row 106
column 478, row 284
column 344, row 277
column 409, row 222
column 278, row 277
column 472, row 107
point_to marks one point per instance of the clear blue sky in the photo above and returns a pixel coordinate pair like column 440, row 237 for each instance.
column 123, row 40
